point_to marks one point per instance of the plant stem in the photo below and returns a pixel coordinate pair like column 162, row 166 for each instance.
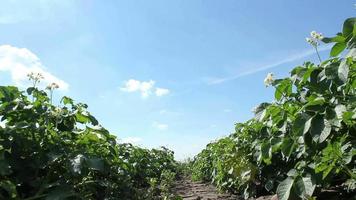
column 36, row 197
column 317, row 53
column 34, row 86
column 349, row 172
column 283, row 96
column 51, row 92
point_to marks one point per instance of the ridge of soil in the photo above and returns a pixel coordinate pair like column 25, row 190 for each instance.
column 190, row 190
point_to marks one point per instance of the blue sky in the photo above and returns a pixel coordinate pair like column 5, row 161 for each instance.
column 175, row 73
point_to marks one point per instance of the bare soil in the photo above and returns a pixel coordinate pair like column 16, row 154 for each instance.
column 190, row 190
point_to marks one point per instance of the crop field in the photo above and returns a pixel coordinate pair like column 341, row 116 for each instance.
column 302, row 145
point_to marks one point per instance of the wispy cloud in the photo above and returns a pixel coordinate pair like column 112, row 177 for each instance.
column 162, row 112
column 213, row 126
column 169, row 112
column 160, row 126
column 255, row 69
column 146, row 88
column 161, row 92
column 20, row 61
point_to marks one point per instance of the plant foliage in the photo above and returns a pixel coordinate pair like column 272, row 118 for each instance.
column 302, row 142
column 61, row 152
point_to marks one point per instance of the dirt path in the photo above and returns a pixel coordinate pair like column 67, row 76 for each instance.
column 200, row 191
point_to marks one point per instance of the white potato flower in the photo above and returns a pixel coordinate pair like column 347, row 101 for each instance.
column 30, row 75
column 316, row 35
column 52, row 86
column 312, row 41
column 269, row 79
column 35, row 76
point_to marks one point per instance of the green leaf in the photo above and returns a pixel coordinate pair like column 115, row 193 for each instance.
column 309, row 186
column 288, row 146
column 276, row 144
column 269, row 185
column 328, row 169
column 327, row 40
column 343, row 71
column 266, row 152
column 4, row 168
column 348, row 27
column 339, row 110
column 331, row 73
column 308, row 73
column 338, row 38
column 261, row 115
column 337, row 49
column 320, row 129
column 331, row 156
column 304, row 187
column 96, row 164
column 67, row 100
column 348, row 117
column 9, row 187
column 284, row 188
column 292, row 173
column 326, row 131
column 82, row 118
column 278, row 94
column 301, row 124
column 260, row 111
column 8, row 93
column 60, row 193
column 284, row 88
column 93, row 120
column 315, row 101
column 30, row 90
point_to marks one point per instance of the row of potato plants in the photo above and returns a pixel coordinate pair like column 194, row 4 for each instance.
column 302, row 143
column 62, row 152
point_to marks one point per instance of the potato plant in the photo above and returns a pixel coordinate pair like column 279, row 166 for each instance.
column 62, row 152
column 301, row 143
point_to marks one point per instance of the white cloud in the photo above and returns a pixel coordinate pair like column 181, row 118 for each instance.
column 21, row 61
column 169, row 112
column 160, row 126
column 213, row 126
column 162, row 112
column 161, row 92
column 256, row 69
column 132, row 85
column 146, row 88
column 132, row 140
